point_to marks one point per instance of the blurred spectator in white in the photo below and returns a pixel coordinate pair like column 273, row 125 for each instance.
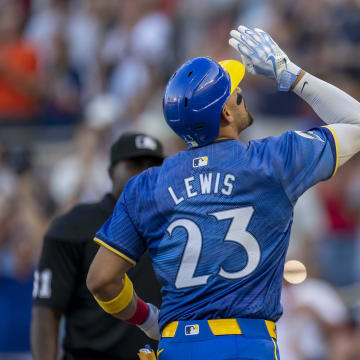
column 7, row 177
column 45, row 24
column 313, row 316
column 103, row 115
column 80, row 25
column 136, row 53
column 346, row 16
column 153, row 46
column 84, row 33
column 6, row 209
column 80, row 22
column 142, row 31
column 81, row 176
column 195, row 21
column 128, row 79
column 308, row 225
column 103, row 112
column 63, row 95
column 20, row 88
column 258, row 14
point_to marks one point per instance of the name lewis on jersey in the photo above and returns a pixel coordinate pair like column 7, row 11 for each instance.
column 204, row 184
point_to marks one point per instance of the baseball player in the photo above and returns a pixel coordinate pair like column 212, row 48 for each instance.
column 216, row 218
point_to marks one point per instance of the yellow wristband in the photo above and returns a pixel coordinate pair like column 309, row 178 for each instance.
column 121, row 301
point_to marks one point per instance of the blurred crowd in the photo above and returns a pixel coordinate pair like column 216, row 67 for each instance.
column 76, row 73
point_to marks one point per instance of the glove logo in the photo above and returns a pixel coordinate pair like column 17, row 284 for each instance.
column 272, row 59
column 192, row 329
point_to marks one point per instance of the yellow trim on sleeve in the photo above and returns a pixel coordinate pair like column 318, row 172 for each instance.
column 336, row 146
column 102, row 243
column 121, row 301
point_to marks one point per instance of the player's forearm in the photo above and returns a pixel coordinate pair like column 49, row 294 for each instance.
column 136, row 312
column 44, row 333
column 106, row 294
column 330, row 103
column 114, row 292
column 126, row 305
column 334, row 107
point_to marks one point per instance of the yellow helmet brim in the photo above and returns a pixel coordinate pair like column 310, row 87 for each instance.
column 236, row 71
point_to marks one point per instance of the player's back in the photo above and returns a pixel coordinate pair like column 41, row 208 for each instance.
column 217, row 220
column 219, row 233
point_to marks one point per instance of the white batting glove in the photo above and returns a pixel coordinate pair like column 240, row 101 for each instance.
column 151, row 326
column 261, row 55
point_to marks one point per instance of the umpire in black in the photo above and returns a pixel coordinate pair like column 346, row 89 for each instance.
column 60, row 280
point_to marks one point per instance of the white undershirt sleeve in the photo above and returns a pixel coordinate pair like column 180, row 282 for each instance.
column 336, row 108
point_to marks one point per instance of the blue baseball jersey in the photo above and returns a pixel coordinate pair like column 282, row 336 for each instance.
column 216, row 221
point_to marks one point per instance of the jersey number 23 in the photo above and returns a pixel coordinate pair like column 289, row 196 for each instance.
column 240, row 218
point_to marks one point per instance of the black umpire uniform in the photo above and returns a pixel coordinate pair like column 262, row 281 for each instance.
column 60, row 283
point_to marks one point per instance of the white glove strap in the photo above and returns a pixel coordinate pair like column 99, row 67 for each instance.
column 288, row 76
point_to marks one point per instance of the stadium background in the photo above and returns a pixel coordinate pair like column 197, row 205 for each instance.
column 74, row 74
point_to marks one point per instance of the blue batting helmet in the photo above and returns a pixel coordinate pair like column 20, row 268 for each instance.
column 195, row 95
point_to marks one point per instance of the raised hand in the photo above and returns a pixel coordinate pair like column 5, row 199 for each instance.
column 262, row 56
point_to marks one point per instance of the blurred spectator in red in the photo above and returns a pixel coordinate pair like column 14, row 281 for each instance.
column 346, row 343
column 337, row 250
column 19, row 81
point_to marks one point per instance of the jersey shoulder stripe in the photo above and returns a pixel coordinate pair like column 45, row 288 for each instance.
column 117, row 252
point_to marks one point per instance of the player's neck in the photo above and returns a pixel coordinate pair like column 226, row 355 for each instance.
column 222, row 138
column 227, row 133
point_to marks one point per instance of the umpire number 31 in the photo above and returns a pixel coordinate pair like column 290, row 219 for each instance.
column 237, row 233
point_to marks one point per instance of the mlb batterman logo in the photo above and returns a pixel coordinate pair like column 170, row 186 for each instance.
column 201, row 161
column 145, row 142
column 192, row 329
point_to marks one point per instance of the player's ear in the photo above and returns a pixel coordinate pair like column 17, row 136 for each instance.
column 225, row 114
